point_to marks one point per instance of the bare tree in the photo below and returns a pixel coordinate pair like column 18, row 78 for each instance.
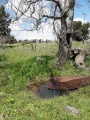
column 37, row 12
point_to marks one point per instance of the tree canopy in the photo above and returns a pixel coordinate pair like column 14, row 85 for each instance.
column 4, row 22
column 80, row 30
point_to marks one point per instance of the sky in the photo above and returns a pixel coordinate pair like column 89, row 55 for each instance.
column 47, row 30
column 84, row 8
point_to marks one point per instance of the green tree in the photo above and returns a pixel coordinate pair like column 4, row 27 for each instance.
column 84, row 29
column 80, row 30
column 4, row 25
column 4, row 22
column 77, row 25
column 11, row 39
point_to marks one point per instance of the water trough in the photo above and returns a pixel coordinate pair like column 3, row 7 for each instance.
column 58, row 86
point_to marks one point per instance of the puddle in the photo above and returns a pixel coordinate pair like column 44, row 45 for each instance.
column 41, row 89
column 44, row 92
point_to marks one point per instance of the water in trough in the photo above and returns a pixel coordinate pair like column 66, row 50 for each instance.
column 44, row 92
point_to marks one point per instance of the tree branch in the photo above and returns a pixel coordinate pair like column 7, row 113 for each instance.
column 52, row 17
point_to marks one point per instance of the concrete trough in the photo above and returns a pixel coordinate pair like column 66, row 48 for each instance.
column 69, row 82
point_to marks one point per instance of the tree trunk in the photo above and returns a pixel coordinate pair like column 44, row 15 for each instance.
column 78, row 56
column 63, row 52
column 65, row 43
column 65, row 39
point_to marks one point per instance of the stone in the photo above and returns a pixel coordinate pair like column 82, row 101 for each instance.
column 72, row 110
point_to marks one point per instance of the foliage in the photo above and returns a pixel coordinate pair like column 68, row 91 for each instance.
column 4, row 22
column 80, row 30
column 11, row 39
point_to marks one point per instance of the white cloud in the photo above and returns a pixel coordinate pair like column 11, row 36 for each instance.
column 80, row 19
column 34, row 35
column 10, row 4
column 14, row 27
column 44, row 34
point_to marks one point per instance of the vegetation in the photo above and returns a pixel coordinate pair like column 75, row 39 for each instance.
column 19, row 65
column 11, row 39
column 80, row 30
column 4, row 22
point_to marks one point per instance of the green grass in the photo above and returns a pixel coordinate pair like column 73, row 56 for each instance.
column 19, row 65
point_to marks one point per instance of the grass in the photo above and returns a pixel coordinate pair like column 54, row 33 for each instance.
column 19, row 65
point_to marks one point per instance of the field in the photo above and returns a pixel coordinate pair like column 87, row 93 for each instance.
column 20, row 66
